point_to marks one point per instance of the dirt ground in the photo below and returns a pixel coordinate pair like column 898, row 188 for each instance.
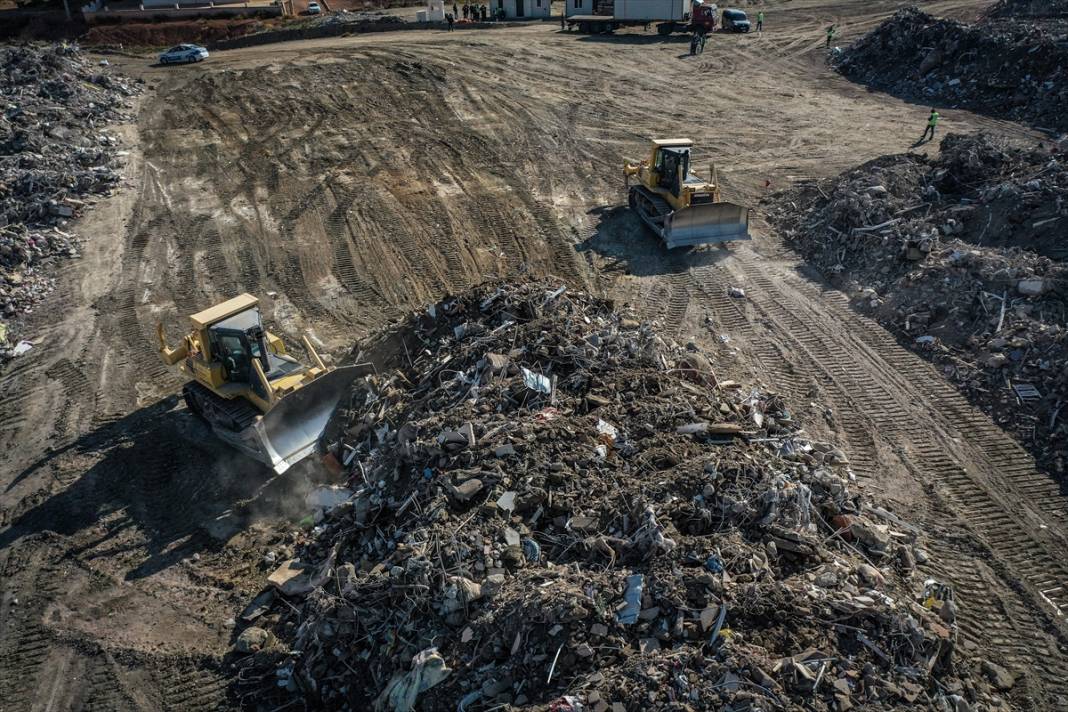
column 347, row 181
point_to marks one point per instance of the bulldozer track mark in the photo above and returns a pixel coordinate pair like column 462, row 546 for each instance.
column 194, row 689
column 339, row 230
column 991, row 444
column 105, row 693
column 1029, row 559
column 493, row 223
column 137, row 339
column 677, row 304
column 1008, row 463
column 1003, row 620
column 29, row 642
column 215, row 256
column 78, row 397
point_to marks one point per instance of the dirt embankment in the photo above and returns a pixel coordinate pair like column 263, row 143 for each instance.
column 1010, row 67
column 962, row 257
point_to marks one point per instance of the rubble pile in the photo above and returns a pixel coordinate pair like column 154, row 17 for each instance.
column 548, row 507
column 961, row 256
column 53, row 154
column 1030, row 8
column 1012, row 67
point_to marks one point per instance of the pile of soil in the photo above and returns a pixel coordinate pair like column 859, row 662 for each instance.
column 961, row 256
column 54, row 155
column 1011, row 67
column 550, row 508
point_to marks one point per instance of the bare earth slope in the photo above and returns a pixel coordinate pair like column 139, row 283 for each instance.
column 358, row 178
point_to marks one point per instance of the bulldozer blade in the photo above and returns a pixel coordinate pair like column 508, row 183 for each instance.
column 706, row 225
column 290, row 431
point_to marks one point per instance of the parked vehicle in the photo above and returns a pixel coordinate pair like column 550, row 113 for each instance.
column 183, row 53
column 314, row 9
column 669, row 15
column 735, row 21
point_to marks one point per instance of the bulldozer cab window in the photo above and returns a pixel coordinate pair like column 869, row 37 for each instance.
column 235, row 355
column 668, row 164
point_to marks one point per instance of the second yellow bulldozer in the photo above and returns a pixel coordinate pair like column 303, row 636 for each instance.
column 683, row 209
column 252, row 393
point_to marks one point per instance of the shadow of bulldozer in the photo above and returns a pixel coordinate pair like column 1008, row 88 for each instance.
column 629, row 247
column 154, row 486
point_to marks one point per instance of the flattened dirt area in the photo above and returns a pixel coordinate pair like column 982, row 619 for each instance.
column 348, row 181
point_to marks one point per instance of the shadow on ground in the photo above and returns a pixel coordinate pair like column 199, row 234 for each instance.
column 630, row 247
column 155, row 484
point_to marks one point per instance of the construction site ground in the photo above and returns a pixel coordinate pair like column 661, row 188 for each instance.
column 355, row 179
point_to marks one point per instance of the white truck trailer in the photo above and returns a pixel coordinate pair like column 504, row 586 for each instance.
column 669, row 15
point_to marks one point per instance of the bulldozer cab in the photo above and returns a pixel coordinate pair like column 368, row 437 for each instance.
column 671, row 166
column 238, row 340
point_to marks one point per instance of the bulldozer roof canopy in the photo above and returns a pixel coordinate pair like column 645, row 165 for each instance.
column 222, row 311
column 679, row 142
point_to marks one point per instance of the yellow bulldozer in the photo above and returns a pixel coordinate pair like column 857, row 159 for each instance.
column 252, row 393
column 683, row 209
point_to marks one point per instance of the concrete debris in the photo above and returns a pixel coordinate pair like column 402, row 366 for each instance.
column 54, row 152
column 1010, row 64
column 986, row 300
column 680, row 566
column 252, row 639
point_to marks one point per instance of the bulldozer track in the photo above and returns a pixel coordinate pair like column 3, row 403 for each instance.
column 29, row 643
column 105, row 693
column 340, row 231
column 193, row 688
column 78, row 395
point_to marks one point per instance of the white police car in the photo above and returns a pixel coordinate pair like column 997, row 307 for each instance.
column 184, row 53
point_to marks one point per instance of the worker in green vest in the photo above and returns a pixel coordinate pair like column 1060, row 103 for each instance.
column 832, row 31
column 932, row 123
column 760, row 21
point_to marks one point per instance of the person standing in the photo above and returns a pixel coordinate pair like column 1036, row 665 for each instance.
column 563, row 20
column 760, row 21
column 932, row 124
column 483, row 11
column 450, row 19
column 831, row 32
column 467, row 11
column 455, row 11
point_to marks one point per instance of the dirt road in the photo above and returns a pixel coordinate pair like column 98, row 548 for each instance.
column 352, row 179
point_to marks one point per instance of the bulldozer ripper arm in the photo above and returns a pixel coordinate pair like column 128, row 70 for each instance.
column 170, row 356
column 311, row 350
column 263, row 381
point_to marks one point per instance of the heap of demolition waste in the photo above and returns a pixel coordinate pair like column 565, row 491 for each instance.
column 53, row 153
column 962, row 256
column 1014, row 68
column 551, row 508
column 1030, row 8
